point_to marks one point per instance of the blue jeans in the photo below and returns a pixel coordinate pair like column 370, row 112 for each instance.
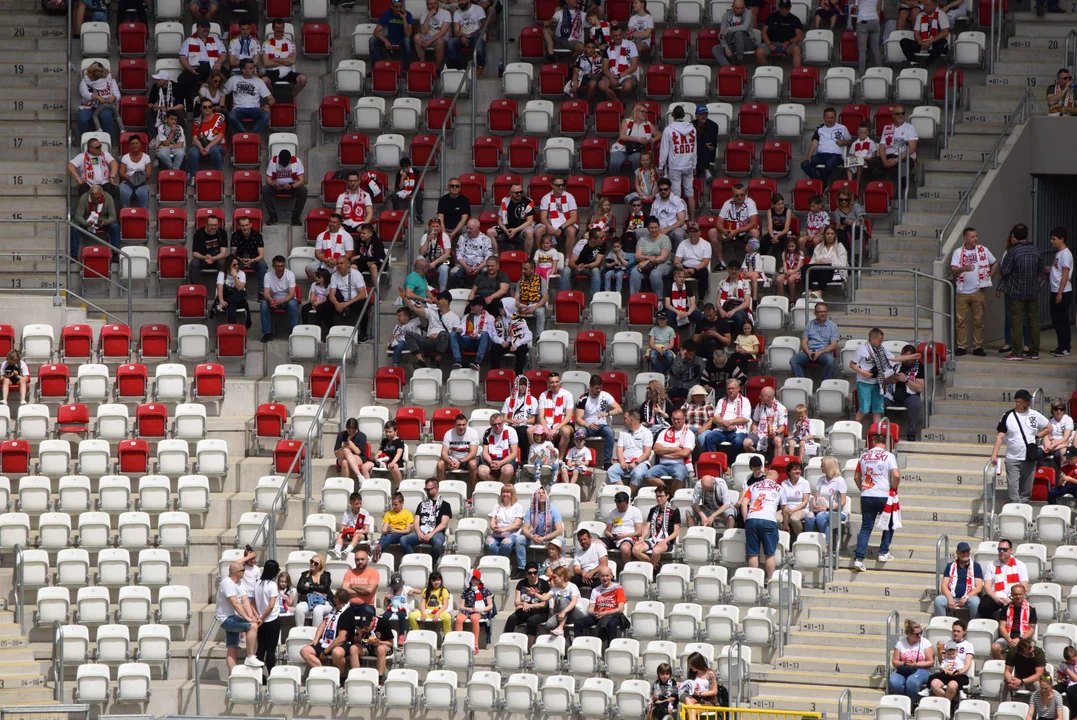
column 215, row 157
column 260, row 116
column 292, row 308
column 909, row 686
column 870, row 509
column 596, row 279
column 661, row 361
column 506, row 546
column 615, row 475
column 676, row 468
column 141, row 195
column 973, row 605
column 170, row 158
column 1006, row 324
column 443, row 276
column 713, row 438
column 801, row 359
column 606, row 433
column 480, row 344
column 233, row 627
column 398, row 350
column 635, row 279
column 377, row 49
column 615, row 279
column 390, row 538
column 832, row 162
column 106, row 116
column 820, row 523
column 259, row 269
column 113, row 230
column 410, row 542
column 455, row 46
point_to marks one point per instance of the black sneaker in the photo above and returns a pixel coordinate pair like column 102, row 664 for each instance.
column 979, row 352
column 1056, row 10
column 720, row 265
column 272, row 220
column 457, row 365
column 1032, row 356
column 1060, row 353
column 267, row 337
column 960, row 352
column 474, row 366
column 1007, row 350
column 298, row 222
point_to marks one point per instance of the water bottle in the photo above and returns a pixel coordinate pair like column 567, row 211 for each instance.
column 538, row 470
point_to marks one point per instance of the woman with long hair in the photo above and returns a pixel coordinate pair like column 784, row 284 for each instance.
column 232, row 289
column 434, row 604
column 829, row 483
column 267, row 605
column 213, row 90
column 828, row 253
column 655, row 410
column 100, row 95
column 911, row 662
column 704, row 689
column 314, row 591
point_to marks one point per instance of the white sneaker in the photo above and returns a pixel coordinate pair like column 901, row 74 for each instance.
column 252, row 661
column 859, row 565
column 886, row 557
column 243, row 642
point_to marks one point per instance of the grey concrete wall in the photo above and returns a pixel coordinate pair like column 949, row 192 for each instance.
column 1052, row 148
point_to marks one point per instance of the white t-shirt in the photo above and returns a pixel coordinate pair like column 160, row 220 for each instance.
column 561, row 597
column 828, row 138
column 553, row 409
column 990, row 575
column 1060, row 426
column 470, row 20
column 98, row 171
column 981, row 259
column 624, row 523
column 437, row 18
column 349, row 286
column 912, row 653
column 667, row 210
column 728, row 410
column 499, row 444
column 1013, row 424
column 334, row 244
column 246, row 92
column 130, row 166
column 506, row 516
column 253, row 47
column 229, row 281
column 964, row 648
column 592, row 406
column 763, row 500
column 558, row 208
column 197, row 50
column 793, row 495
column 633, row 444
column 361, row 520
column 1063, row 259
column 589, row 559
column 437, row 324
column 864, row 148
column 460, row 445
column 824, row 488
column 286, row 175
column 621, row 58
column 875, row 466
column 636, row 23
column 280, row 50
column 685, row 439
column 264, row 592
column 692, row 255
column 892, row 136
column 279, row 286
column 252, row 575
column 865, row 357
column 225, row 590
column 740, row 214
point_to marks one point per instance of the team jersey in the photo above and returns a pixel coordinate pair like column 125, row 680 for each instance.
column 875, row 466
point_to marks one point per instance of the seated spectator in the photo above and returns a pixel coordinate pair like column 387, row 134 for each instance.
column 897, row 140
column 530, row 601
column 673, row 450
column 467, row 25
column 579, row 463
column 672, row 215
column 521, row 411
column 355, row 527
column 830, row 254
column 285, row 176
column 801, row 441
column 652, row 259
column 606, row 611
column 347, row 292
column 731, row 421
column 250, row 99
column 98, row 10
column 511, row 335
column 14, row 371
column 204, row 9
column 393, row 35
column 1017, row 622
column 515, row 221
column 319, row 293
column 492, row 284
column 660, row 531
column 818, row 344
column 406, row 322
column 459, row 450
column 660, row 341
column 711, row 332
column 247, row 244
column 796, row 495
column 624, row 527
column 436, row 248
column 603, row 219
column 374, row 637
column 431, row 519
column 441, row 322
column 454, row 210
column 369, row 254
column 590, row 559
column 740, row 222
column 209, row 246
column 680, row 301
column 279, row 56
column 330, row 244
column 232, row 291
column 906, row 391
column 244, row 46
column 555, row 558
column 1060, row 98
column 163, row 98
column 473, row 335
column 563, row 597
column 435, row 604
column 735, row 298
column 350, row 450
column 332, row 638
column 1025, row 666
column 911, row 660
column 1000, row 577
column 564, row 31
column 170, row 143
column 314, row 589
column 100, row 93
column 207, row 140
column 645, row 190
column 722, row 367
column 771, row 420
column 95, row 167
column 542, row 521
column 782, row 35
column 846, row 217
column 620, row 69
column 532, row 296
column 473, row 250
column 390, row 455
column 965, row 652
column 656, row 407
column 416, row 288
column 826, row 148
column 396, row 523
column 711, row 506
column 1055, row 445
column 779, row 225
column 500, row 451
column 961, row 584
column 616, row 266
column 354, row 205
column 697, row 411
column 555, row 413
column 930, row 31
column 213, row 90
column 505, row 523
column 95, row 214
column 200, row 55
column 873, row 364
column 361, row 582
column 587, row 258
column 476, row 604
column 746, row 346
column 791, row 271
column 593, row 411
column 694, row 259
column 559, row 215
column 831, row 482
column 634, row 449
column 434, row 28
column 548, row 262
column 735, row 36
column 586, row 72
column 278, row 294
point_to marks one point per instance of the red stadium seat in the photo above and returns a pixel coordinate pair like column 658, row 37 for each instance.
column 760, row 190
column 246, row 150
column 1042, row 482
column 739, row 158
column 615, row 382
column 545, row 9
column 334, row 113
column 425, row 150
column 208, row 381
column 615, row 187
column 675, row 43
column 171, row 224
column 76, row 342
column 803, row 192
column 440, row 114
column 848, row 48
column 171, row 187
column 660, row 81
column 410, row 423
column 442, row 421
column 385, row 77
column 132, row 382
column 388, row 223
column 317, row 222
column 7, row 338
column 378, row 8
column 270, row 421
column 209, row 186
column 151, row 421
column 231, row 341
column 721, row 190
column 641, row 308
column 96, row 261
column 837, row 186
column 288, row 457
column 804, row 84
column 115, row 342
column 322, row 382
column 552, row 79
column 895, row 432
column 487, row 221
column 581, row 187
column 15, row 457
column 780, row 464
column 317, row 40
column 572, row 119
column 278, row 9
column 569, row 306
column 421, row 78
column 133, row 74
column 502, row 115
column 538, row 187
column 756, row 385
column 202, row 214
column 938, row 83
column 502, row 183
column 52, row 382
column 531, row 44
column 537, row 380
column 353, row 150
column 134, row 224
column 590, row 346
column 523, row 154
column 498, row 385
column 73, row 419
column 712, row 463
column 732, row 83
column 246, row 187
column 775, row 158
column 389, row 384
column 608, row 117
column 486, row 153
column 884, row 116
column 753, row 120
column 133, row 111
column 595, row 155
column 512, row 262
column 706, row 41
column 191, row 302
column 134, row 457
column 852, row 115
column 154, row 342
column 254, row 213
column 473, row 187
column 332, row 188
column 282, row 116
column 935, row 354
column 172, row 262
column 877, row 198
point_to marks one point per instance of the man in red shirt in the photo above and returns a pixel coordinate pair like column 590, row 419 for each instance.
column 605, row 615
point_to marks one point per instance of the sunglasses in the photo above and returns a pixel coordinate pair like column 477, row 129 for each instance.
column 315, row 563
column 516, row 192
column 558, row 185
column 1004, row 549
column 663, row 189
column 899, row 114
column 532, row 572
column 453, row 186
column 637, row 204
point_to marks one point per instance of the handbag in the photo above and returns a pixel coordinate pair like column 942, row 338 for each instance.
column 137, row 179
column 315, row 599
column 1031, row 448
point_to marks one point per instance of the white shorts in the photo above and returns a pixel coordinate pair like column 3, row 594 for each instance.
column 682, row 181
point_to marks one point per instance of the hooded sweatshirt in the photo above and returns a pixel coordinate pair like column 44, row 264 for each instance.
column 678, row 146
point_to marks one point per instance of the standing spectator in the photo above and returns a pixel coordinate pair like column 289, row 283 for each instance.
column 475, row 334
column 907, row 391
column 250, row 99
column 868, row 35
column 739, row 219
column 677, row 158
column 393, row 34
column 660, row 531
column 912, row 660
column 673, row 448
column 1020, row 428
column 236, row 618
column 1002, row 575
column 96, row 214
column 620, row 68
column 434, row 27
column 671, row 212
column 200, row 55
column 532, row 296
column 634, row 136
column 731, row 420
column 972, row 266
column 735, row 35
column 711, row 506
column 354, row 205
column 472, row 251
column 624, row 527
column 694, row 257
column 95, row 166
column 818, row 344
column 232, row 291
column 170, row 142
column 279, row 56
column 825, row 148
column 267, row 607
column 593, row 411
column 207, row 140
column 136, row 168
column 431, row 522
column 454, row 210
column 515, row 220
column 500, row 451
column 587, row 258
column 591, row 557
column 506, row 521
column 559, row 216
column 99, row 93
column 877, row 476
column 831, row 482
column 873, row 364
column 1007, row 311
column 440, row 323
column 1025, row 665
column 315, row 588
column 652, row 256
column 244, row 46
column 286, row 176
column 467, row 31
column 278, row 294
column 759, row 507
column 707, row 149
column 564, row 30
column 782, row 35
column 407, row 185
column 208, row 247
column 931, row 28
column 459, row 450
column 605, row 613
column 164, row 97
column 1061, row 277
column 248, row 246
column 634, row 452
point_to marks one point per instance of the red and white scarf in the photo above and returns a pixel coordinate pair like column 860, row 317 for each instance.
column 928, row 25
column 371, row 181
column 353, row 207
column 620, row 60
column 1012, row 577
column 890, row 518
column 554, row 413
column 660, row 522
column 969, row 574
column 1023, row 618
column 498, row 448
column 723, row 404
column 406, row 183
column 672, row 438
column 475, row 324
column 1066, row 101
column 91, row 167
column 792, row 260
column 978, row 256
column 559, row 209
column 678, row 297
column 635, row 221
column 522, row 410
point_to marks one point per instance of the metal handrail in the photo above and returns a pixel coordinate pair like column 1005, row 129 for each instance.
column 58, row 660
column 964, row 205
column 845, row 705
column 904, row 171
column 198, row 670
column 989, row 499
column 268, row 526
column 884, row 430
column 948, row 117
column 942, row 556
column 996, row 33
column 1038, row 400
column 738, row 648
column 893, row 620
column 833, row 537
column 1071, row 51
column 67, row 102
column 785, row 603
column 19, row 589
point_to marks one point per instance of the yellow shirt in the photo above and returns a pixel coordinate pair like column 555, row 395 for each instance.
column 399, row 521
column 435, row 598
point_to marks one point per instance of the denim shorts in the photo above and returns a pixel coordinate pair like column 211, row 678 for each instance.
column 233, row 627
column 758, row 532
column 869, row 397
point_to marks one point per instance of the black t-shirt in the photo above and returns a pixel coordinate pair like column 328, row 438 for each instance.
column 588, row 254
column 516, row 214
column 372, row 252
column 391, row 447
column 430, row 513
column 1015, row 630
column 346, row 623
column 672, row 520
column 542, row 588
column 453, row 210
column 359, row 439
column 689, row 292
column 207, row 244
column 720, row 324
column 782, row 28
column 1023, row 666
column 485, row 286
column 382, row 630
column 247, row 247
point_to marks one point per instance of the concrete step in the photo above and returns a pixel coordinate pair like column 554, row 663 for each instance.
column 970, row 154
column 812, row 652
column 994, row 129
column 1038, row 41
column 1015, row 82
column 1046, row 366
column 952, row 166
column 983, row 115
column 1059, row 386
column 984, row 104
column 1047, row 56
column 943, row 179
column 933, row 192
column 967, row 141
column 956, row 483
column 908, row 229
column 1067, row 20
column 908, row 585
column 853, row 675
column 791, row 691
column 885, row 321
column 980, row 395
column 970, row 409
column 818, row 701
column 854, row 668
column 925, row 457
column 917, row 498
column 944, row 431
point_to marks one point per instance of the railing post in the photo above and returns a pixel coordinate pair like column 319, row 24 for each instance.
column 893, row 625
column 833, row 535
column 989, row 494
column 884, row 430
column 58, row 660
column 20, row 586
column 845, row 705
column 942, row 556
column 198, row 669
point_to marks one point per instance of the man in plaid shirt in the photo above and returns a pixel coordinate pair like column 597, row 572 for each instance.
column 697, row 411
column 1022, row 275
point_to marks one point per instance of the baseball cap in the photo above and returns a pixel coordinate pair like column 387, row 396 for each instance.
column 963, row 547
column 580, row 435
column 693, row 227
column 539, row 430
column 950, row 645
column 203, row 24
column 785, row 3
column 701, row 109
column 162, row 75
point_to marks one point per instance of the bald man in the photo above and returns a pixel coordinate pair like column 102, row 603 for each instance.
column 236, row 618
